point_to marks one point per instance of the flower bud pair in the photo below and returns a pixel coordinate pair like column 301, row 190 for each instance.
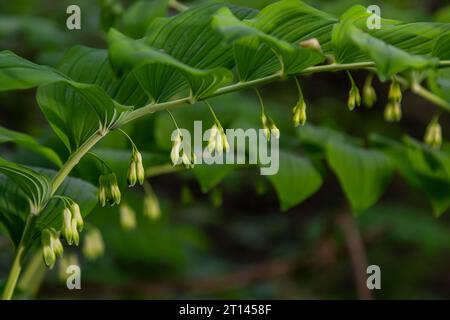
column 152, row 209
column 127, row 217
column 109, row 191
column 93, row 245
column 299, row 113
column 217, row 140
column 269, row 127
column 354, row 98
column 178, row 151
column 72, row 223
column 433, row 134
column 135, row 169
column 393, row 112
column 51, row 246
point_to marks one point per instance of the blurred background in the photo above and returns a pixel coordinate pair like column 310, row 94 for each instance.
column 228, row 238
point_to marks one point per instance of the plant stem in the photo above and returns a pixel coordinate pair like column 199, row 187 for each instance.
column 19, row 257
column 74, row 159
column 424, row 93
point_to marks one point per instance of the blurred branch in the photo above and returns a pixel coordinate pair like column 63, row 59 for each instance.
column 178, row 6
column 356, row 251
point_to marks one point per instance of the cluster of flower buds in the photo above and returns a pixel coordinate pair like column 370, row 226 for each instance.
column 135, row 169
column 269, row 127
column 178, row 151
column 299, row 113
column 51, row 246
column 152, row 209
column 354, row 98
column 393, row 110
column 369, row 94
column 109, row 191
column 217, row 140
column 72, row 223
column 433, row 134
column 127, row 217
column 93, row 246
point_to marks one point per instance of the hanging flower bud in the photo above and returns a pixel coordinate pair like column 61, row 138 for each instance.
column 47, row 250
column 131, row 176
column 127, row 217
column 299, row 112
column 135, row 169
column 393, row 112
column 75, row 235
column 433, row 134
column 109, row 191
column 93, row 245
column 151, row 207
column 214, row 131
column 49, row 257
column 175, row 152
column 354, row 98
column 103, row 190
column 66, row 229
column 51, row 246
column 140, row 172
column 115, row 191
column 56, row 244
column 269, row 127
column 76, row 215
column 369, row 94
column 395, row 92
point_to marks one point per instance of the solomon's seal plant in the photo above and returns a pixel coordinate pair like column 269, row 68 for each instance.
column 201, row 53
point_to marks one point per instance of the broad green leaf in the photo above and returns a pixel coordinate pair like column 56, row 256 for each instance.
column 18, row 73
column 146, row 61
column 35, row 186
column 415, row 38
column 388, row 59
column 14, row 206
column 293, row 59
column 75, row 115
column 363, row 174
column 137, row 18
column 441, row 48
column 422, row 167
column 282, row 25
column 296, row 180
column 30, row 143
column 189, row 38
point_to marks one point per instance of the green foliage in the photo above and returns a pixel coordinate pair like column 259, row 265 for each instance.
column 204, row 52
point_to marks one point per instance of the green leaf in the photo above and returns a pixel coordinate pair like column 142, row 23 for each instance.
column 422, row 167
column 36, row 187
column 296, row 180
column 14, row 206
column 293, row 58
column 98, row 97
column 280, row 26
column 363, row 174
column 137, row 18
column 29, row 143
column 55, row 89
column 388, row 59
column 148, row 62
